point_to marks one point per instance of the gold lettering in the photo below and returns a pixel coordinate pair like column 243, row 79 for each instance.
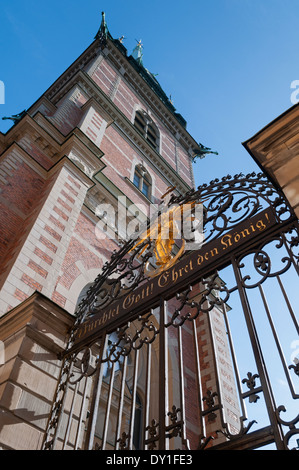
column 163, row 279
column 214, row 252
column 82, row 331
column 174, row 275
column 128, row 301
column 199, row 260
column 245, row 234
column 226, row 241
column 237, row 237
column 186, row 268
column 260, row 225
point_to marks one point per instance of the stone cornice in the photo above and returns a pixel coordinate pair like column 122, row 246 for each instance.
column 41, row 316
column 54, row 144
column 278, row 140
column 64, row 161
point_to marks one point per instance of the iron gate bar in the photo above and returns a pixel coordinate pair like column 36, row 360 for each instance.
column 95, row 402
column 163, row 376
column 121, row 403
column 256, row 348
column 292, row 314
column 279, row 348
column 182, row 394
column 147, row 392
column 80, row 421
column 133, row 402
column 108, row 406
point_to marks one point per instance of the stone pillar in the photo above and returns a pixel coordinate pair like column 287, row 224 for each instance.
column 32, row 335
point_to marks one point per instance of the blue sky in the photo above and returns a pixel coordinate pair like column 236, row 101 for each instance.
column 227, row 64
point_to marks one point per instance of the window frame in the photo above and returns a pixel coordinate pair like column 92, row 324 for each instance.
column 144, row 180
column 146, row 126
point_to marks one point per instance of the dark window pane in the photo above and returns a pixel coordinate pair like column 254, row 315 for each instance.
column 145, row 189
column 137, row 180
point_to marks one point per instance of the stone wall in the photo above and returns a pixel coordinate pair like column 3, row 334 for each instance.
column 32, row 336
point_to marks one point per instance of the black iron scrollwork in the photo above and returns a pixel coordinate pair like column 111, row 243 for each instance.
column 190, row 305
column 262, row 261
column 290, row 424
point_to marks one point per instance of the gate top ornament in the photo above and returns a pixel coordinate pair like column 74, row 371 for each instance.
column 228, row 202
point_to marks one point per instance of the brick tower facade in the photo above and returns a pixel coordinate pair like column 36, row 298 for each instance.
column 81, row 145
column 104, row 133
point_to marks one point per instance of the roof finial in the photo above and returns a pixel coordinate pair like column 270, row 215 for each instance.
column 137, row 52
column 103, row 32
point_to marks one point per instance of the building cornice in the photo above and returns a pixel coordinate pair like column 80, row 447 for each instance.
column 275, row 142
column 55, row 145
column 35, row 311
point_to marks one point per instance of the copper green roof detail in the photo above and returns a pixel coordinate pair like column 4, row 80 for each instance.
column 137, row 63
column 137, row 52
column 103, row 32
column 202, row 151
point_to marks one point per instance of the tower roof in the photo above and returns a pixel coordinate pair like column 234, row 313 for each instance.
column 136, row 60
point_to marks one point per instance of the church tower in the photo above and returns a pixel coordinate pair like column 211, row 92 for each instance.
column 81, row 165
column 104, row 130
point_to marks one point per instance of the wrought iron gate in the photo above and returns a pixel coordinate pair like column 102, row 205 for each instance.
column 205, row 355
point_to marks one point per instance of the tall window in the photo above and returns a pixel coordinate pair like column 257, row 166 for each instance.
column 148, row 129
column 143, row 181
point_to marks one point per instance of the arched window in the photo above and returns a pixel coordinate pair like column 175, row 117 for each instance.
column 142, row 180
column 147, row 128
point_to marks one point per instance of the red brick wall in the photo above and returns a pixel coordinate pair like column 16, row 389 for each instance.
column 127, row 100
column 21, row 189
